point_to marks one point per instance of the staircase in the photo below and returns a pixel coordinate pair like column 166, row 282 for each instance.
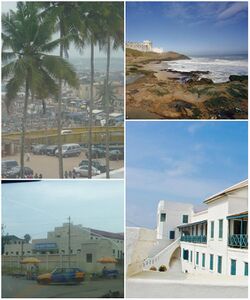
column 161, row 255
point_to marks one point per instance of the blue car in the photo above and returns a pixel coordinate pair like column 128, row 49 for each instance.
column 62, row 275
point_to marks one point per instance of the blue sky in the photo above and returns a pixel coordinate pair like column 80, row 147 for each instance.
column 180, row 161
column 37, row 207
column 190, row 27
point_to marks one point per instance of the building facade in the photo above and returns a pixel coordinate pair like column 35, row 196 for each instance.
column 213, row 240
column 144, row 46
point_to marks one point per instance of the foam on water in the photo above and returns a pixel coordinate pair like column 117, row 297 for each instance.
column 220, row 68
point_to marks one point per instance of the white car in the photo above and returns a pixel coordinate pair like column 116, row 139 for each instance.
column 82, row 171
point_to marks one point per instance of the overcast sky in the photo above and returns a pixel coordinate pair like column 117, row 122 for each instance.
column 181, row 161
column 7, row 5
column 38, row 207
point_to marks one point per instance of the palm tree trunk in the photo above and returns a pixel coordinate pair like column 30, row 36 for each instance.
column 107, row 108
column 59, row 120
column 24, row 129
column 91, row 109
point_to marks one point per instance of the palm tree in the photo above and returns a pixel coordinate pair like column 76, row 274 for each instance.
column 113, row 25
column 26, row 44
column 91, row 33
column 68, row 24
column 111, row 93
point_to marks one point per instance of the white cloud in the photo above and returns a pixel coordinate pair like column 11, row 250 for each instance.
column 233, row 10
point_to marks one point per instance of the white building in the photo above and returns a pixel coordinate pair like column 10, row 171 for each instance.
column 213, row 241
column 144, row 46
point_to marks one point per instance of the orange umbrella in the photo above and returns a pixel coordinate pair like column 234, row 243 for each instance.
column 30, row 260
column 107, row 260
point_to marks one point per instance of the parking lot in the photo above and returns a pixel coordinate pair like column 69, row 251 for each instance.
column 48, row 165
column 22, row 288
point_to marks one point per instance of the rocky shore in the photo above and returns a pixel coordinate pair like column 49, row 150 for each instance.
column 169, row 94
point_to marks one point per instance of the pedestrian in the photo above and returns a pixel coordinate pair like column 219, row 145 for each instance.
column 66, row 174
column 70, row 174
column 28, row 157
column 36, row 175
column 40, row 176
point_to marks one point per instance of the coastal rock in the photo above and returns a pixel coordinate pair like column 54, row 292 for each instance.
column 238, row 77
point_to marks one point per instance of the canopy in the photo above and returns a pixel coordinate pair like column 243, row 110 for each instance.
column 107, row 260
column 30, row 260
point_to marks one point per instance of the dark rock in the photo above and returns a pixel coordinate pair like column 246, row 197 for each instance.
column 205, row 81
column 238, row 77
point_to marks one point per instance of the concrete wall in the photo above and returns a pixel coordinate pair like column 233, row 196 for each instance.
column 139, row 242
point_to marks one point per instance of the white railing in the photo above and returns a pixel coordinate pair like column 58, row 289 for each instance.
column 161, row 258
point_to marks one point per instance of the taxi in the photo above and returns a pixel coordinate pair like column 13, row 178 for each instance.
column 62, row 275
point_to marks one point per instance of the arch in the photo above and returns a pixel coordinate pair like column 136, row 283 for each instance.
column 175, row 255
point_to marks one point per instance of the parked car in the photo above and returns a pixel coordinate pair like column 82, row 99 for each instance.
column 110, row 273
column 96, row 153
column 15, row 172
column 62, row 275
column 115, row 155
column 66, row 131
column 82, row 171
column 8, row 165
column 51, row 150
column 70, row 150
column 95, row 163
column 39, row 149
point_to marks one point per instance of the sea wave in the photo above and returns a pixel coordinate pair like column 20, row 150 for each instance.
column 220, row 68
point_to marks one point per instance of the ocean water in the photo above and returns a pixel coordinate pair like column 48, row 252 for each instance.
column 220, row 67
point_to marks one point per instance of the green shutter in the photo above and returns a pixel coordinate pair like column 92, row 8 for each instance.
column 233, row 267
column 185, row 254
column 191, row 256
column 163, row 217
column 220, row 229
column 219, row 264
column 203, row 260
column 211, row 262
column 185, row 219
column 212, row 230
column 197, row 258
column 246, row 269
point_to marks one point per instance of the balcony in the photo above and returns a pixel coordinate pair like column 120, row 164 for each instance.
column 201, row 239
column 238, row 241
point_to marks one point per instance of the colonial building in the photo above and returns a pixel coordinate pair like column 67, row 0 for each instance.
column 212, row 240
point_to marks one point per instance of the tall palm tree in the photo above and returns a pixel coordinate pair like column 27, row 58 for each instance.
column 113, row 18
column 26, row 44
column 68, row 24
column 91, row 33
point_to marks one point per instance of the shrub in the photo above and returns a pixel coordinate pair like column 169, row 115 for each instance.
column 153, row 268
column 162, row 268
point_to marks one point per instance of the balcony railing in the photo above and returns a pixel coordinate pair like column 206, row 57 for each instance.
column 202, row 239
column 238, row 241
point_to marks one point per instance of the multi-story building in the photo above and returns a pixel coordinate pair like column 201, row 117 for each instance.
column 213, row 240
column 144, row 46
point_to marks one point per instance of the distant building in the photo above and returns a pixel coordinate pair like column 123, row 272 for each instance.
column 144, row 46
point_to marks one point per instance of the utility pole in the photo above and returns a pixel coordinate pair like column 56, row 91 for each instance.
column 69, row 245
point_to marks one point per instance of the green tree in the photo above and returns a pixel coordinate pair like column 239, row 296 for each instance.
column 27, row 238
column 26, row 44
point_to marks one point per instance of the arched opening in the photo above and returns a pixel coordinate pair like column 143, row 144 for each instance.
column 175, row 262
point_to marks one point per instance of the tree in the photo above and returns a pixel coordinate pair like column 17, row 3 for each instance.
column 26, row 44
column 111, row 94
column 113, row 37
column 27, row 238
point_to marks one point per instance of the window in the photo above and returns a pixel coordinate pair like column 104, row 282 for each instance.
column 202, row 229
column 114, row 251
column 203, row 260
column 163, row 217
column 197, row 258
column 185, row 219
column 172, row 235
column 246, row 269
column 17, row 252
column 192, row 230
column 219, row 264
column 185, row 254
column 233, row 267
column 220, row 229
column 191, row 256
column 211, row 262
column 89, row 257
column 197, row 228
column 212, row 230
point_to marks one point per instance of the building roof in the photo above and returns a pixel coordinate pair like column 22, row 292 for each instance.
column 233, row 188
column 238, row 215
column 191, row 224
column 111, row 235
column 12, row 238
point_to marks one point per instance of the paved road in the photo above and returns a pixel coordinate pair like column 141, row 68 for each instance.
column 151, row 289
column 48, row 165
column 22, row 288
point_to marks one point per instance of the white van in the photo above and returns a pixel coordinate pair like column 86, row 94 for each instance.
column 70, row 150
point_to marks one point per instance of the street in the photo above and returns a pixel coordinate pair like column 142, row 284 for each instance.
column 22, row 288
column 48, row 165
column 154, row 289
